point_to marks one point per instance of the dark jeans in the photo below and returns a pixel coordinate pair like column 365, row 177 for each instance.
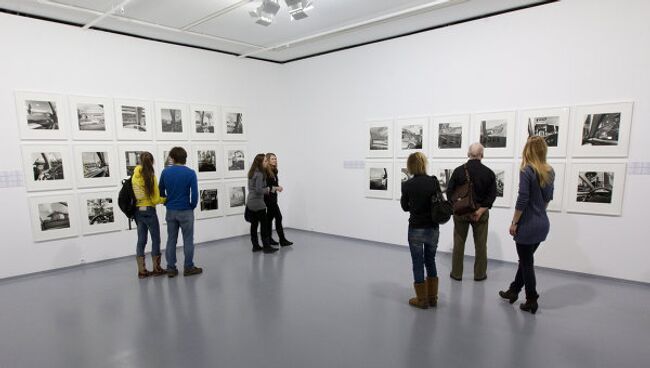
column 423, row 244
column 147, row 222
column 259, row 218
column 273, row 213
column 185, row 221
column 525, row 276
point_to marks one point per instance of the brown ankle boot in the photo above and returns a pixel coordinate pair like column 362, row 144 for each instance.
column 420, row 300
column 432, row 291
column 142, row 269
column 157, row 269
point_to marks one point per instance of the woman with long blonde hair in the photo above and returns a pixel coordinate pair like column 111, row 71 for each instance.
column 530, row 224
column 271, row 200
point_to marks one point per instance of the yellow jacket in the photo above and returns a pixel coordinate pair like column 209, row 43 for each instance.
column 138, row 189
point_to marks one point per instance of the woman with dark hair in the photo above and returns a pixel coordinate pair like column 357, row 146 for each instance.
column 147, row 195
column 257, row 189
column 271, row 200
column 530, row 224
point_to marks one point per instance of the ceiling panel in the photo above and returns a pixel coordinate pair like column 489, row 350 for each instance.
column 33, row 7
column 174, row 13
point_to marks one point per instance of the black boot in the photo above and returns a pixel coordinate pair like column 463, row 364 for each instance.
column 530, row 305
column 273, row 242
column 510, row 295
column 256, row 244
column 267, row 248
column 285, row 243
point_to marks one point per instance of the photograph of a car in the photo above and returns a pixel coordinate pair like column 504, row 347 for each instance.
column 412, row 137
column 54, row 215
column 95, row 164
column 379, row 138
column 209, row 199
column 378, row 178
column 207, row 160
column 234, row 123
column 90, row 117
column 494, row 133
column 41, row 114
column 595, row 186
column 601, row 129
column 47, row 166
column 204, row 121
column 546, row 127
column 450, row 136
column 134, row 117
column 100, row 211
column 172, row 120
column 237, row 196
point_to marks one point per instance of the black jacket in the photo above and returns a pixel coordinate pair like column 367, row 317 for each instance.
column 483, row 180
column 416, row 199
column 272, row 196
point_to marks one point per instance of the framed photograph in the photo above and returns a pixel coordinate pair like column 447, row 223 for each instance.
column 596, row 188
column 209, row 164
column 550, row 124
column 134, row 119
column 100, row 212
column 172, row 121
column 380, row 143
column 411, row 135
column 234, row 125
column 496, row 132
column 450, row 136
column 379, row 179
column 401, row 175
column 47, row 167
column 236, row 192
column 206, row 122
column 129, row 158
column 602, row 130
column 559, row 167
column 54, row 217
column 211, row 200
column 235, row 159
column 96, row 166
column 505, row 183
column 92, row 118
column 443, row 170
column 163, row 160
column 41, row 115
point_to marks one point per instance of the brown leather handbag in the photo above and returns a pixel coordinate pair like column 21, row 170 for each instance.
column 463, row 197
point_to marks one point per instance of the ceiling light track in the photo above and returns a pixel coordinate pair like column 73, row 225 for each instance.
column 267, row 10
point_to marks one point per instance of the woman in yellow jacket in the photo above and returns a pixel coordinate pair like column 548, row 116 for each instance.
column 145, row 188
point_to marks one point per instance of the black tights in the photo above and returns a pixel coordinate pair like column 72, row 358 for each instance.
column 273, row 213
column 525, row 276
column 259, row 218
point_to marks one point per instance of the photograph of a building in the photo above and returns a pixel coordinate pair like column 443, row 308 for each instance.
column 494, row 133
column 546, row 127
column 132, row 159
column 54, row 215
column 450, row 136
column 134, row 117
column 207, row 160
column 412, row 137
column 236, row 160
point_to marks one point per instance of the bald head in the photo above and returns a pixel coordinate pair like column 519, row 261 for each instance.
column 475, row 151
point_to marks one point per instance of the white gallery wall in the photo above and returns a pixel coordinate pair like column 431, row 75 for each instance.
column 563, row 54
column 48, row 57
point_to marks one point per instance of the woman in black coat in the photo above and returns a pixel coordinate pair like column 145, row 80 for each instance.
column 273, row 210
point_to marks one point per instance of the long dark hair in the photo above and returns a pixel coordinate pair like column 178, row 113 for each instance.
column 258, row 164
column 271, row 171
column 146, row 160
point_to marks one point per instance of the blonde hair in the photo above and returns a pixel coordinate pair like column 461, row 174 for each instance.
column 417, row 164
column 534, row 155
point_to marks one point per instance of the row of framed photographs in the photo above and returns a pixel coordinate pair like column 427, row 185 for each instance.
column 597, row 131
column 592, row 188
column 64, row 215
column 50, row 167
column 45, row 116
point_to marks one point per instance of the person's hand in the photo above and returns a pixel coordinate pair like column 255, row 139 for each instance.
column 279, row 189
column 513, row 229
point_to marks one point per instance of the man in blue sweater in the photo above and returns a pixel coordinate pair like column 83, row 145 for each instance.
column 178, row 183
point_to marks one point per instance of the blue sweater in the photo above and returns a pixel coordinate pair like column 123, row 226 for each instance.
column 178, row 184
column 532, row 199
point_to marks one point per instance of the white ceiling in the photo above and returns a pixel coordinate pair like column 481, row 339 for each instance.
column 225, row 25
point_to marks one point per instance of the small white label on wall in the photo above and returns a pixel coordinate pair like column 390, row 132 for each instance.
column 354, row 165
column 10, row 179
column 638, row 168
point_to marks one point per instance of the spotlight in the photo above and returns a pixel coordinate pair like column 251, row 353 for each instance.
column 266, row 12
column 298, row 8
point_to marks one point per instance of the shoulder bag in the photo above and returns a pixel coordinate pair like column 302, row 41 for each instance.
column 463, row 197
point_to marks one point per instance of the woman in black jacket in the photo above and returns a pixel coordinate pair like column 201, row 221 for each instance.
column 273, row 210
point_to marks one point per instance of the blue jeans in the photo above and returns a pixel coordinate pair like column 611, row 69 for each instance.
column 423, row 244
column 147, row 222
column 185, row 221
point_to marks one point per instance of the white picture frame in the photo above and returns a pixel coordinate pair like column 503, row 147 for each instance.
column 236, row 192
column 449, row 136
column 100, row 212
column 92, row 118
column 42, row 116
column 129, row 157
column 503, row 170
column 496, row 132
column 134, row 120
column 96, row 165
column 379, row 179
column 594, row 134
column 236, row 161
column 601, row 192
column 205, row 122
column 411, row 135
column 380, row 139
column 53, row 217
column 551, row 124
column 234, row 124
column 47, row 167
column 559, row 167
column 401, row 176
column 209, row 163
column 211, row 200
column 172, row 121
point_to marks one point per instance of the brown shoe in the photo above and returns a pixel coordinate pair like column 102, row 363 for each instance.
column 192, row 271
column 420, row 300
column 142, row 269
column 157, row 269
column 432, row 291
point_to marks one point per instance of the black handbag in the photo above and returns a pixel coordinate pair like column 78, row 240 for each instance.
column 441, row 209
column 248, row 215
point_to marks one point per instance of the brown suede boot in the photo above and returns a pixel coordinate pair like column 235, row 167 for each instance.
column 432, row 291
column 157, row 270
column 420, row 300
column 142, row 269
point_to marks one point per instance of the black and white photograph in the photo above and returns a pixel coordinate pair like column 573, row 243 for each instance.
column 443, row 175
column 47, row 166
column 93, row 117
column 41, row 115
column 500, row 179
column 134, row 119
column 234, row 198
column 494, row 133
column 602, row 130
column 379, row 179
column 412, row 137
column 100, row 211
column 95, row 164
column 233, row 124
column 550, row 124
column 450, row 136
column 401, row 176
column 596, row 188
column 504, row 172
column 204, row 121
column 237, row 196
column 547, row 127
column 53, row 217
column 171, row 121
column 380, row 139
column 206, row 160
column 209, row 199
column 235, row 161
column 132, row 159
column 211, row 202
column 129, row 158
column 162, row 159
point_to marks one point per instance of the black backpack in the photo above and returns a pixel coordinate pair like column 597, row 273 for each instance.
column 126, row 199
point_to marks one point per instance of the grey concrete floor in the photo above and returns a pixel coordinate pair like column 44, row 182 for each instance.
column 325, row 302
